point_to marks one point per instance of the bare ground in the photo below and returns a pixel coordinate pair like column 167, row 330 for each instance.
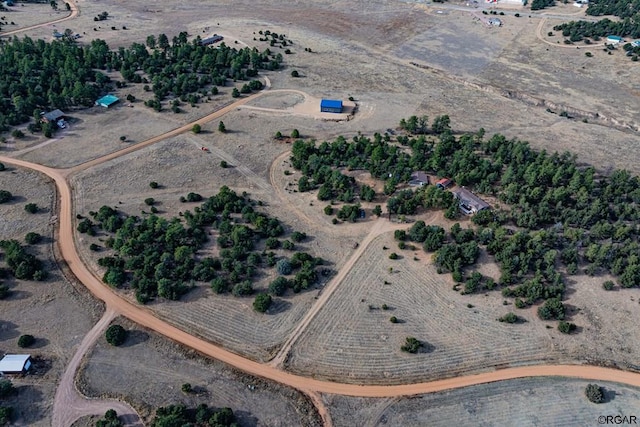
column 56, row 312
column 149, row 371
column 526, row 402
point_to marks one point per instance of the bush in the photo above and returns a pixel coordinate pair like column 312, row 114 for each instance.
column 116, row 335
column 283, row 267
column 110, row 419
column 33, row 238
column 411, row 345
column 553, row 309
column 194, row 197
column 186, row 388
column 566, row 327
column 393, row 255
column 196, row 128
column 393, row 319
column 6, row 412
column 295, row 133
column 594, row 393
column 262, row 303
column 6, row 388
column 295, row 73
column 5, row 196
column 26, row 341
column 154, row 185
column 224, row 164
column 509, row 318
column 279, row 286
column 149, row 201
column 608, row 285
column 31, row 208
column 328, row 210
column 2, row 167
column 17, row 133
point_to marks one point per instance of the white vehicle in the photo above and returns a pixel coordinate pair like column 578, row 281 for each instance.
column 61, row 124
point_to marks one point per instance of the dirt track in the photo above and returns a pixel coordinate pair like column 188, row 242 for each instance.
column 74, row 12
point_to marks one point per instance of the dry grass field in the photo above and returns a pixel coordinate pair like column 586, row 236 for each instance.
column 479, row 76
column 56, row 312
column 526, row 402
column 28, row 14
column 149, row 371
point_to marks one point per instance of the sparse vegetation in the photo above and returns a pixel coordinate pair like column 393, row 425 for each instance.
column 411, row 345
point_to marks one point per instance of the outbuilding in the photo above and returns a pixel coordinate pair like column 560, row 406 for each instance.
column 107, row 101
column 15, row 363
column 614, row 40
column 444, row 183
column 419, row 179
column 52, row 116
column 331, row 106
column 211, row 40
column 469, row 202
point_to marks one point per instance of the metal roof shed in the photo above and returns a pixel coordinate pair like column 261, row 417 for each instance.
column 107, row 101
column 15, row 363
column 331, row 106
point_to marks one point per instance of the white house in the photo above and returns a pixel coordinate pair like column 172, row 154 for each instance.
column 15, row 363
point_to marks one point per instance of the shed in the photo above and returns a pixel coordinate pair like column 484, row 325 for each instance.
column 211, row 40
column 107, row 101
column 614, row 39
column 444, row 183
column 419, row 179
column 469, row 202
column 331, row 106
column 52, row 116
column 15, row 363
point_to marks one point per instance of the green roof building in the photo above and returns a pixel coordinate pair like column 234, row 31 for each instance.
column 107, row 101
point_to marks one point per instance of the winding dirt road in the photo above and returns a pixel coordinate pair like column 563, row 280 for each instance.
column 74, row 12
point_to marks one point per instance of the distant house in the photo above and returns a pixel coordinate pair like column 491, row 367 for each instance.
column 614, row 40
column 331, row 106
column 211, row 40
column 444, row 183
column 52, row 116
column 107, row 101
column 469, row 202
column 15, row 363
column 419, row 179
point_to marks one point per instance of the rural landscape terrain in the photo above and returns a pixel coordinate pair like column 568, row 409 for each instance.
column 188, row 238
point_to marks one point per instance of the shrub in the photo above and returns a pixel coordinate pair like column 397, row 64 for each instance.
column 26, row 341
column 224, row 164
column 411, row 345
column 31, row 208
column 2, row 167
column 608, row 285
column 566, row 327
column 509, row 318
column 186, row 388
column 196, row 128
column 594, row 393
column 94, row 247
column 295, row 73
column 116, row 335
column 295, row 133
column 6, row 388
column 278, row 286
column 393, row 319
column 194, row 197
column 154, row 185
column 328, row 210
column 5, row 196
column 393, row 255
column 6, row 412
column 221, row 127
column 149, row 201
column 283, row 267
column 262, row 303
column 553, row 309
column 33, row 238
column 17, row 133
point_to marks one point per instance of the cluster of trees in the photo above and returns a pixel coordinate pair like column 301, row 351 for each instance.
column 22, row 264
column 541, row 4
column 41, row 75
column 577, row 30
column 202, row 415
column 110, row 419
column 157, row 257
column 562, row 216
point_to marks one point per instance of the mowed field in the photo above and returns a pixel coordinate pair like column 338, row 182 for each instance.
column 524, row 402
column 148, row 371
column 56, row 312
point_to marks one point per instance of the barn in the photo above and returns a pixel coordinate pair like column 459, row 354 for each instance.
column 211, row 40
column 15, row 363
column 331, row 106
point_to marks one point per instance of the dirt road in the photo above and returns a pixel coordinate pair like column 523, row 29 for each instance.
column 74, row 12
column 68, row 405
column 147, row 319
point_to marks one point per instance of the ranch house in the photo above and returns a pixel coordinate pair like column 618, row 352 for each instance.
column 469, row 202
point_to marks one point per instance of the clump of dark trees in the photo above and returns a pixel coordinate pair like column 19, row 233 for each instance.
column 6, row 390
column 562, row 216
column 21, row 264
column 202, row 415
column 38, row 75
column 157, row 257
column 541, row 4
column 628, row 25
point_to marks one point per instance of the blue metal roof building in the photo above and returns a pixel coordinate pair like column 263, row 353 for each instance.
column 107, row 101
column 331, row 106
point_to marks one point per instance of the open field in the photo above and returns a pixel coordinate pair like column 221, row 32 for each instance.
column 28, row 14
column 36, row 308
column 149, row 370
column 527, row 402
